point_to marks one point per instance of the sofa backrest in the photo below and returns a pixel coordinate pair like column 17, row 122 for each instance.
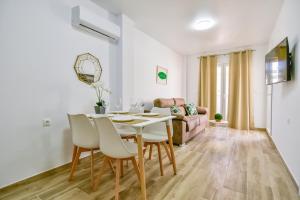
column 167, row 103
column 164, row 103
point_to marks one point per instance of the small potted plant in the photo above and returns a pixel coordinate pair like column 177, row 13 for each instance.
column 218, row 117
column 100, row 104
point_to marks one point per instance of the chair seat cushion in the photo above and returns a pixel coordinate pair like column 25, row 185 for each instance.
column 132, row 147
column 154, row 137
column 131, row 151
column 125, row 132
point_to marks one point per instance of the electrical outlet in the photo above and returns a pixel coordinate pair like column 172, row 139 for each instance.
column 46, row 122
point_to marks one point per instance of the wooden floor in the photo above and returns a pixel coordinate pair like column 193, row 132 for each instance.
column 220, row 164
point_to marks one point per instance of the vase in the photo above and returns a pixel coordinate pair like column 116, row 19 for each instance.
column 99, row 109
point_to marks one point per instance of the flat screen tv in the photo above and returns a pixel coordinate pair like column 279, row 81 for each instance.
column 278, row 64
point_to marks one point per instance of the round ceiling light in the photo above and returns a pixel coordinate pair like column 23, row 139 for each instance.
column 203, row 24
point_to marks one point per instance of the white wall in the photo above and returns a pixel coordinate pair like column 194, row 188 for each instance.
column 37, row 53
column 193, row 75
column 140, row 55
column 148, row 53
column 286, row 96
column 259, row 87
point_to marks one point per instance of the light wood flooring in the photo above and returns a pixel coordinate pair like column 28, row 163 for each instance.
column 220, row 164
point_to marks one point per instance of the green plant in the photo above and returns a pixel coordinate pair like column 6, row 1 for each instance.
column 100, row 88
column 218, row 117
column 101, row 103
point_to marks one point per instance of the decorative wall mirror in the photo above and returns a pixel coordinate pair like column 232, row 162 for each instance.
column 88, row 68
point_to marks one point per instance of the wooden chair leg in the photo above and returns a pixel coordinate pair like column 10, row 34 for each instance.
column 122, row 168
column 74, row 165
column 111, row 166
column 145, row 148
column 117, row 188
column 127, row 139
column 136, row 168
column 167, row 151
column 171, row 148
column 160, row 160
column 92, row 167
column 150, row 151
column 106, row 162
column 75, row 149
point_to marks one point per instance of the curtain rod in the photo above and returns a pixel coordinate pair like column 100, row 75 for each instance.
column 222, row 54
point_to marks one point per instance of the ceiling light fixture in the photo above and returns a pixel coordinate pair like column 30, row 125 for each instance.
column 203, row 24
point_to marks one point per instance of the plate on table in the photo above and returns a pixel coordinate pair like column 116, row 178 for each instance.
column 120, row 112
column 150, row 114
column 122, row 119
column 91, row 116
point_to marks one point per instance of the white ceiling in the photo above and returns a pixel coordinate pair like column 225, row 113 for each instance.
column 239, row 22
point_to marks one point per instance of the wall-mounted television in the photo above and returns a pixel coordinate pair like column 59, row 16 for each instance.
column 278, row 64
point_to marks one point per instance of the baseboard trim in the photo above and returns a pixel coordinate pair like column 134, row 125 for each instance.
column 260, row 129
column 41, row 175
column 284, row 163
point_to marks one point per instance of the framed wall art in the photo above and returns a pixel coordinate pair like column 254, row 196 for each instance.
column 161, row 75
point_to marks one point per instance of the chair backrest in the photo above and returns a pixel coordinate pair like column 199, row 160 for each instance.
column 110, row 141
column 83, row 132
column 160, row 128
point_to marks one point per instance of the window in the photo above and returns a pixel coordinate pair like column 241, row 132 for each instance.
column 222, row 85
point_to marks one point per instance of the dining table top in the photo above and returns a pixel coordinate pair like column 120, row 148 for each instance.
column 143, row 119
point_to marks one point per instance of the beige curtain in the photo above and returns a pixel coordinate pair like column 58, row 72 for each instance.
column 208, row 84
column 240, row 106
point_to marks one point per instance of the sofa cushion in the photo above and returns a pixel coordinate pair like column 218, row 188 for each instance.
column 182, row 110
column 191, row 109
column 164, row 103
column 175, row 110
column 179, row 101
column 192, row 122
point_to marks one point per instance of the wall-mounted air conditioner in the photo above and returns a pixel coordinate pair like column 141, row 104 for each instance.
column 85, row 19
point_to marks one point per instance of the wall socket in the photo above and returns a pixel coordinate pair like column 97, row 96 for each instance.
column 46, row 122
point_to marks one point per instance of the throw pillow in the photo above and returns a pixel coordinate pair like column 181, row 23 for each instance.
column 191, row 109
column 175, row 110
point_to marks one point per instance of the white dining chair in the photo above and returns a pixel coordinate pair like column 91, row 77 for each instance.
column 114, row 148
column 85, row 138
column 127, row 132
column 156, row 134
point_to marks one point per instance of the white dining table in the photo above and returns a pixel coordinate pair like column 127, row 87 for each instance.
column 139, row 132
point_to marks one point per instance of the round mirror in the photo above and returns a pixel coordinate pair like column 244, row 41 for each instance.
column 88, row 68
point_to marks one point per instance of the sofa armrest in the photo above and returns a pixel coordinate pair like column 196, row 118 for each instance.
column 180, row 117
column 179, row 130
column 202, row 110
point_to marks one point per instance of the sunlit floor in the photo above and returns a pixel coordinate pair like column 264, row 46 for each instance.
column 220, row 164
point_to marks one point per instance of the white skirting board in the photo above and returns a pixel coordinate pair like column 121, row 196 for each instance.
column 285, row 165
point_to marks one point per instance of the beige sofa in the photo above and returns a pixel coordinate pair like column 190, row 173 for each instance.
column 184, row 127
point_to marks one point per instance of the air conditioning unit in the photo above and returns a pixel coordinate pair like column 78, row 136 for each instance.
column 85, row 19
